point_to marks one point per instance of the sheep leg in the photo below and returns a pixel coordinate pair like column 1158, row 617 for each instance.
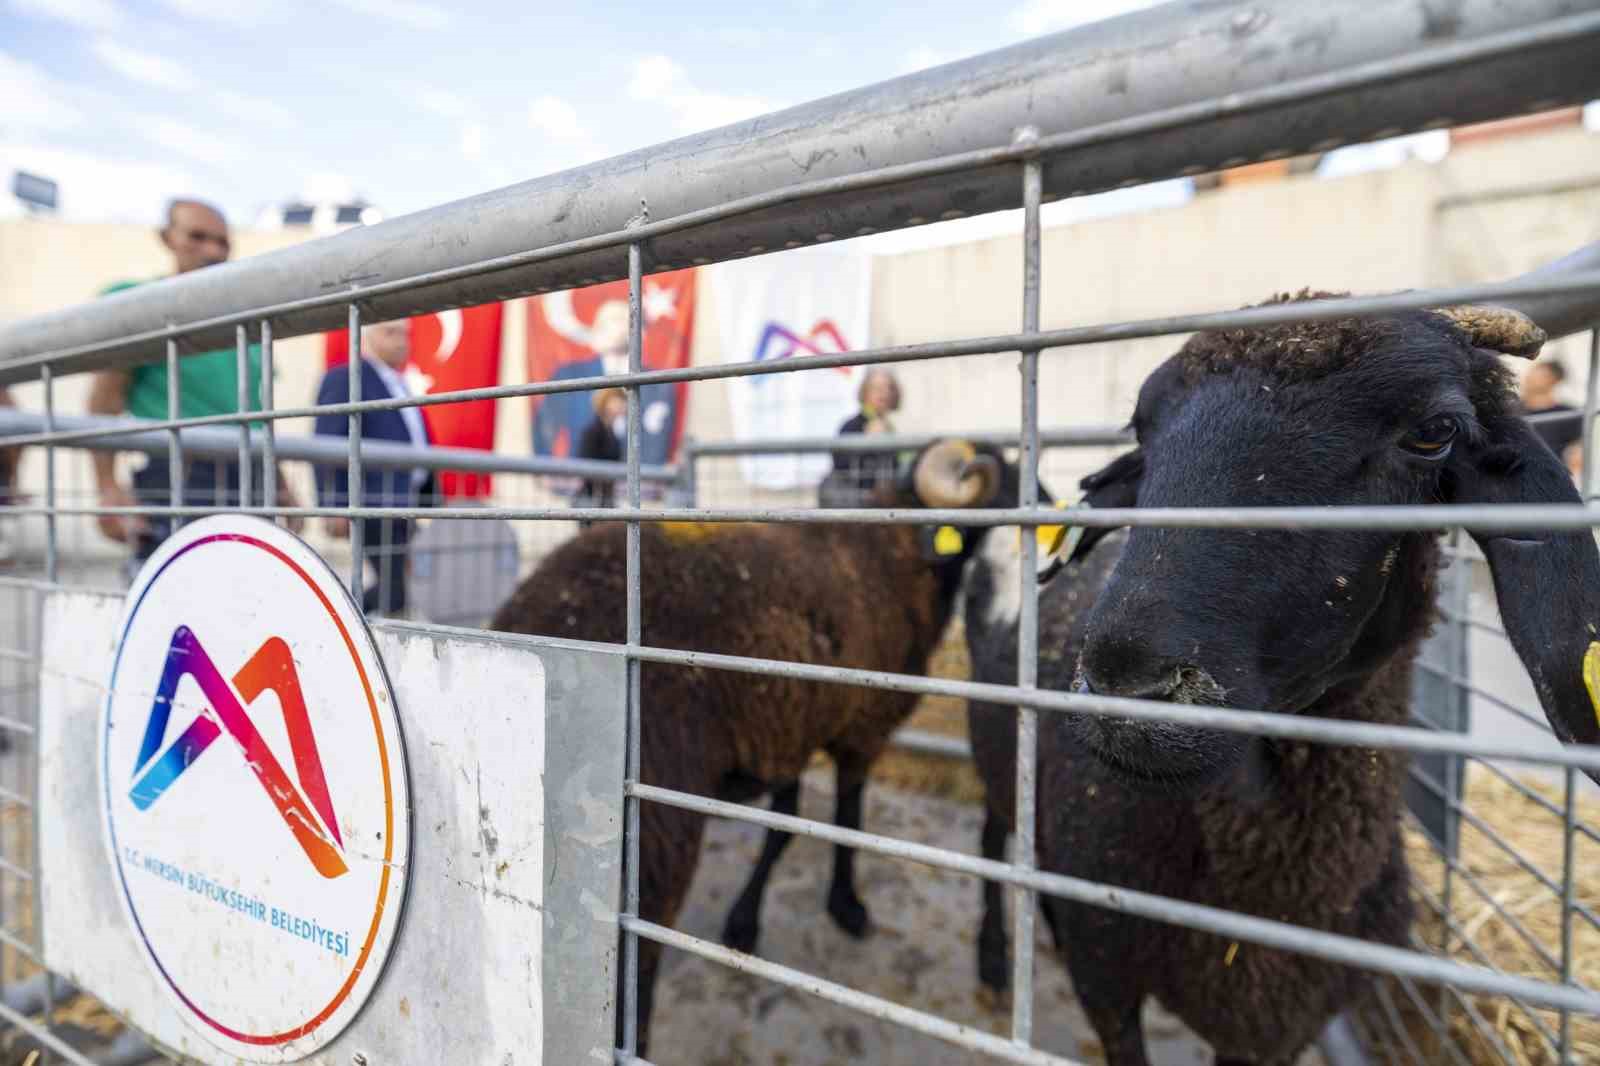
column 850, row 779
column 994, row 963
column 744, row 920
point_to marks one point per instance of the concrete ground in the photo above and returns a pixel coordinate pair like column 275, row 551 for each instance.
column 920, row 953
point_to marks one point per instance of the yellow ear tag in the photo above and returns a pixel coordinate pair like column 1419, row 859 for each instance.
column 1591, row 677
column 948, row 541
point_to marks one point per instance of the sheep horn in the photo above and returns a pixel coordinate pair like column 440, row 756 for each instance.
column 1500, row 329
column 951, row 473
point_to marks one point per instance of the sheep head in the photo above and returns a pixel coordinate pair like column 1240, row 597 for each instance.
column 1410, row 408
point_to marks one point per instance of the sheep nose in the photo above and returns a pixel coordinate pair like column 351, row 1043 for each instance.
column 1157, row 687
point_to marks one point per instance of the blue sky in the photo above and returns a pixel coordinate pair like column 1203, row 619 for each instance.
column 410, row 103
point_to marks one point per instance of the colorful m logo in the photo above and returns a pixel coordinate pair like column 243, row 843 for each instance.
column 271, row 667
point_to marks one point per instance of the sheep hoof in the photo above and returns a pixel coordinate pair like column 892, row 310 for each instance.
column 994, row 1000
column 850, row 915
column 740, row 935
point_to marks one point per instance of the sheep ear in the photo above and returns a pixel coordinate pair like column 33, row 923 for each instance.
column 1115, row 485
column 1547, row 582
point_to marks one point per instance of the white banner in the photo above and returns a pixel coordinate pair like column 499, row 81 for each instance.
column 811, row 301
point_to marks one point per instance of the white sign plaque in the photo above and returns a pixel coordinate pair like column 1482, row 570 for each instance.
column 254, row 789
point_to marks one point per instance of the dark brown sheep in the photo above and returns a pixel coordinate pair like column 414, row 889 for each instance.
column 1400, row 409
column 869, row 597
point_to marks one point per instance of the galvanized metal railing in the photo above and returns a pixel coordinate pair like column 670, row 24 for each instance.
column 1055, row 117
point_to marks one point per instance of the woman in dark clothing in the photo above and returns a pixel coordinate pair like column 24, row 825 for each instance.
column 602, row 439
column 857, row 474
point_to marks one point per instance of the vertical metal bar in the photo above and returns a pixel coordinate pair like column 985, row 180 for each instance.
column 690, row 457
column 1569, row 827
column 175, row 452
column 1591, row 404
column 353, row 495
column 1569, row 810
column 1460, row 590
column 1023, row 900
column 630, row 903
column 241, row 337
column 269, row 457
column 47, row 378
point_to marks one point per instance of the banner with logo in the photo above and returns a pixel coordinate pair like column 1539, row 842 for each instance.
column 584, row 333
column 811, row 301
column 450, row 350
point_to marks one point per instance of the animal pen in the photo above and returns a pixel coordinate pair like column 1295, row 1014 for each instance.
column 1493, row 974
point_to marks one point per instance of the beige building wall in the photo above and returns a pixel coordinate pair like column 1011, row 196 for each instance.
column 1492, row 208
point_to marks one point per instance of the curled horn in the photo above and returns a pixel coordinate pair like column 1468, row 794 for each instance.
column 1499, row 329
column 951, row 473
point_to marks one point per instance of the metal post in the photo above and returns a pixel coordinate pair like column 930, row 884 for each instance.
column 1569, row 825
column 1591, row 404
column 630, row 904
column 1022, row 899
column 1569, row 815
column 353, row 495
column 241, row 337
column 47, row 379
column 687, row 464
column 1456, row 711
column 269, row 458
column 175, row 456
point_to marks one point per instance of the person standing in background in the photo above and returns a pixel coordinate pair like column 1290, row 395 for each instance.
column 602, row 439
column 1538, row 395
column 856, row 475
column 208, row 384
column 385, row 347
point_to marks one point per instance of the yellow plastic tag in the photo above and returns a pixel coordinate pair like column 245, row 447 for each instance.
column 948, row 541
column 1591, row 676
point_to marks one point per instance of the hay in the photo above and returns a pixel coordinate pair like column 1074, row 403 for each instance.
column 1504, row 1031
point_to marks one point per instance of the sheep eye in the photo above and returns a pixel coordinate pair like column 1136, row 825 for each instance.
column 1431, row 439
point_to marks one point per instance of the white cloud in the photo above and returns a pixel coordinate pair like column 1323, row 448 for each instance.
column 740, row 36
column 413, row 13
column 175, row 136
column 328, row 187
column 97, row 188
column 556, row 118
column 241, row 14
column 254, row 109
column 1047, row 16
column 31, row 100
column 142, row 66
column 96, row 15
column 442, row 102
column 658, row 79
column 472, row 140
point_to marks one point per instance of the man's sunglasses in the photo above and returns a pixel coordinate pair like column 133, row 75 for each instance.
column 199, row 236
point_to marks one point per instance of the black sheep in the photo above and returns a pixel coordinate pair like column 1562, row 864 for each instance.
column 1399, row 409
column 875, row 597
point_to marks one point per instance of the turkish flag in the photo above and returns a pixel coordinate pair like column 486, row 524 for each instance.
column 584, row 333
column 450, row 350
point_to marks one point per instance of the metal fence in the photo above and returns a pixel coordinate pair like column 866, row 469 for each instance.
column 1181, row 89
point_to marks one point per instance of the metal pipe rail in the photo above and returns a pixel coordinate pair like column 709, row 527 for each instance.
column 217, row 443
column 1067, row 436
column 1216, row 88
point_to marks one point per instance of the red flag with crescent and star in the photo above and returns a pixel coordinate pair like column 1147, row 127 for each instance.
column 583, row 333
column 450, row 350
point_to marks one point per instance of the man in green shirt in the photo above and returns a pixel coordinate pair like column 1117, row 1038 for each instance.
column 208, row 383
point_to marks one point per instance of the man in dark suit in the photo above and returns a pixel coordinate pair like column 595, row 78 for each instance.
column 385, row 347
